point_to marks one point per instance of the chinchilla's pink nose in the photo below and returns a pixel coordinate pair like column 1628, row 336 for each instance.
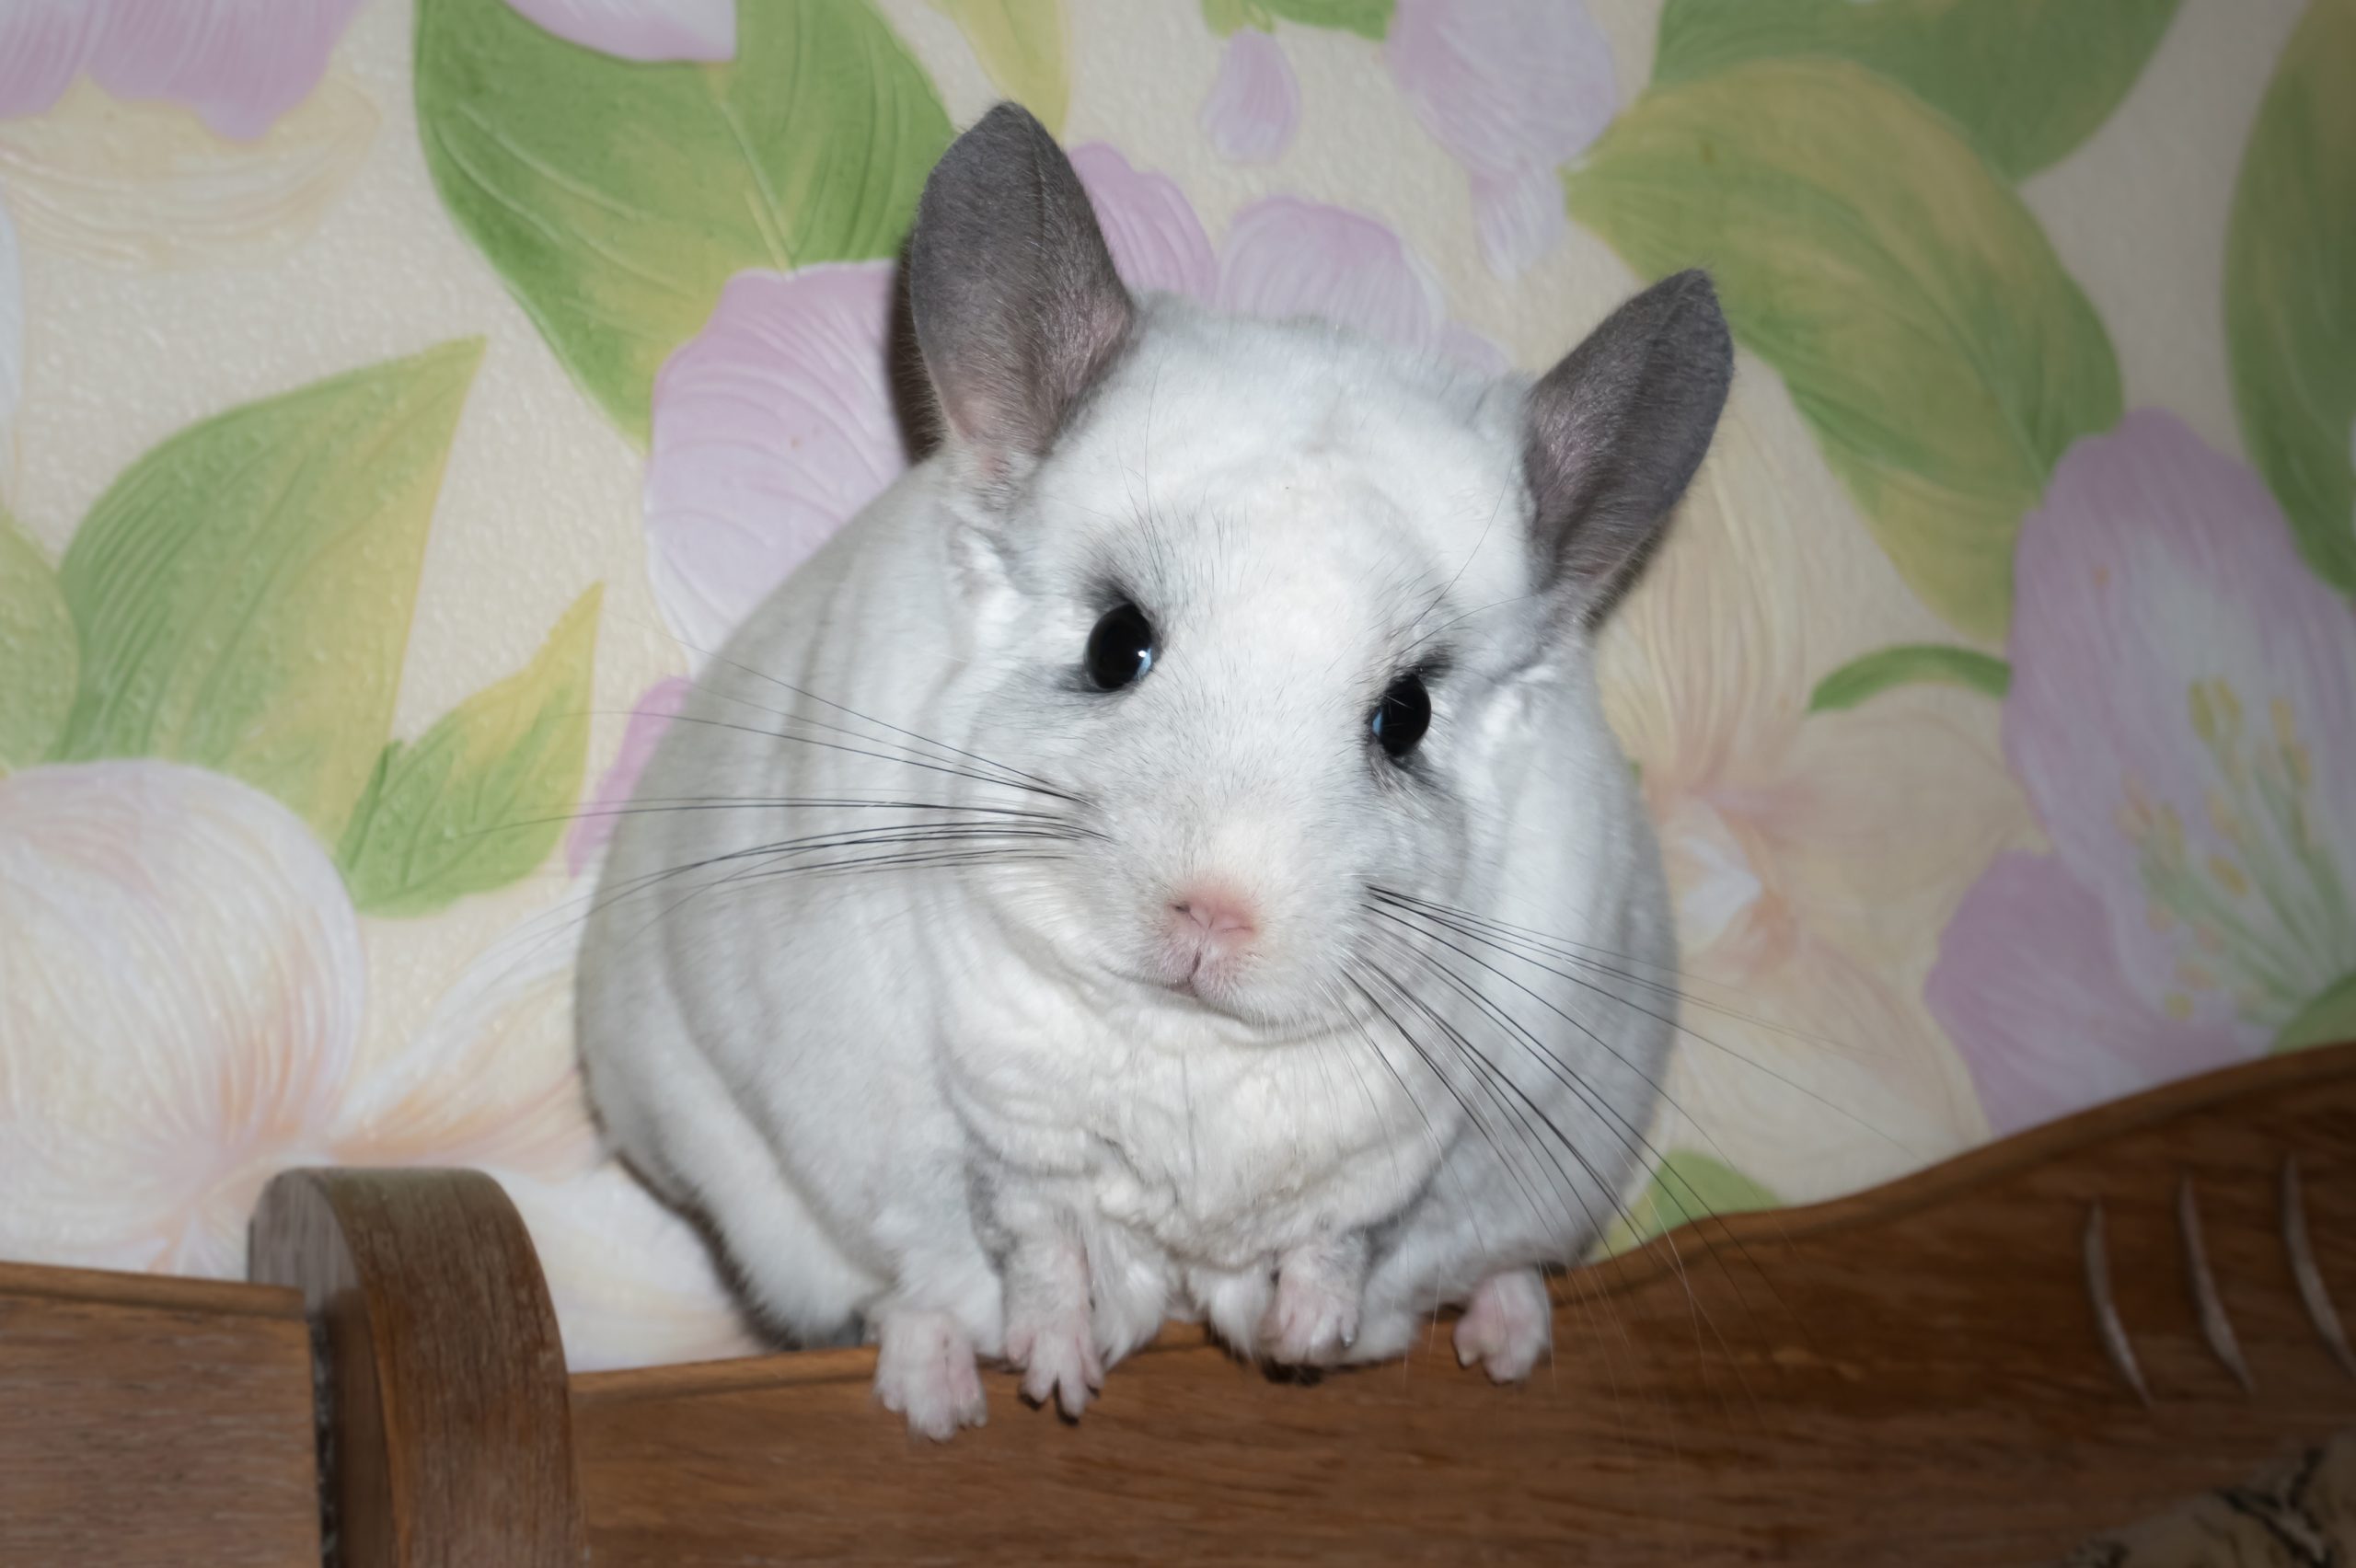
column 1219, row 916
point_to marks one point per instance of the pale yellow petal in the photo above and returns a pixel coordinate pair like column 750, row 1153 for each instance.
column 12, row 351
column 1817, row 1076
column 181, row 989
column 1874, row 822
column 1698, row 663
column 1768, row 579
column 490, row 1077
column 1025, row 47
column 147, row 185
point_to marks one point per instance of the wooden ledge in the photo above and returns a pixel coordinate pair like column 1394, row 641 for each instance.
column 1980, row 1364
column 2209, row 1097
column 1918, row 1375
column 163, row 1293
column 149, row 1422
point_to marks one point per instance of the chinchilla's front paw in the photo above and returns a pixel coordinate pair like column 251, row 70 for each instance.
column 1313, row 1321
column 1507, row 1326
column 1058, row 1357
column 924, row 1370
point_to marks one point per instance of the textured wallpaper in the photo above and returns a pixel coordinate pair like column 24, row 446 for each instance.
column 399, row 401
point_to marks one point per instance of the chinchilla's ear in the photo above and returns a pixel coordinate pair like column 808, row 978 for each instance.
column 1016, row 305
column 1612, row 435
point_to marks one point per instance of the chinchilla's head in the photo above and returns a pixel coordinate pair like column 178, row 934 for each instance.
column 1288, row 610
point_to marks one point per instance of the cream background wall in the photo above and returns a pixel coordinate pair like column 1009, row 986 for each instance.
column 199, row 983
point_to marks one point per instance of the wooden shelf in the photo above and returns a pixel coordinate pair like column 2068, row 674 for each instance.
column 1913, row 1376
column 151, row 1422
column 1918, row 1375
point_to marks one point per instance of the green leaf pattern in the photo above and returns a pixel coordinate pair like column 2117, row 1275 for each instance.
column 1870, row 674
column 243, row 591
column 37, row 650
column 1366, row 18
column 2291, row 289
column 616, row 198
column 1024, row 46
column 479, row 799
column 1927, row 333
column 1686, row 1188
column 2025, row 80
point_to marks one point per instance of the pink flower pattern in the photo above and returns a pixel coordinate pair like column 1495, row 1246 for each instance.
column 238, row 64
column 641, row 29
column 1514, row 89
column 2183, row 718
column 776, row 424
column 1254, row 103
column 771, row 427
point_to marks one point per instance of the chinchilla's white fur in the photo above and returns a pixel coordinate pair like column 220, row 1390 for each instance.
column 945, row 1092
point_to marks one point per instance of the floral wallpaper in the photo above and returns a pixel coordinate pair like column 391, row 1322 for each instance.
column 398, row 398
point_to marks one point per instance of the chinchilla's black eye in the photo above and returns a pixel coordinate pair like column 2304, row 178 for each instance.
column 1120, row 651
column 1403, row 716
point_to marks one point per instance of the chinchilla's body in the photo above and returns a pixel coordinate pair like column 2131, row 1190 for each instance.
column 1165, row 856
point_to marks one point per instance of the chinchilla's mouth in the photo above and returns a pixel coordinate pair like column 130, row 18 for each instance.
column 1240, row 1024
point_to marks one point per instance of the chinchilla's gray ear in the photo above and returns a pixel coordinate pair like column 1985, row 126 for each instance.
column 1612, row 435
column 1016, row 305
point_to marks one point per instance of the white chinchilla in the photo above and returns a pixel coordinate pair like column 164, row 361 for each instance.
column 1165, row 856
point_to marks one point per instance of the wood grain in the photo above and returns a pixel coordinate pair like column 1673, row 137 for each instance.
column 449, row 1434
column 1913, row 1376
column 150, row 1421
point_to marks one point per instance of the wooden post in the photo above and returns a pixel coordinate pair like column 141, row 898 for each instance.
column 446, row 1427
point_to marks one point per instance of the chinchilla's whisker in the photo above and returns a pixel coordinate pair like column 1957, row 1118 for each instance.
column 1472, row 1117
column 1487, row 1077
column 1569, row 952
column 940, row 757
column 763, row 861
column 1595, row 1304
column 1350, row 977
column 1705, row 1322
column 1355, row 976
column 652, row 805
column 1490, row 1081
column 1631, row 1137
column 571, row 914
column 867, row 751
column 881, row 801
column 1396, row 917
column 1328, row 994
column 1639, row 1147
column 1490, row 1073
column 1567, row 948
column 809, row 695
column 835, row 838
column 854, row 838
column 1552, row 1058
column 948, row 755
column 901, row 862
column 1555, row 1063
column 1459, row 929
